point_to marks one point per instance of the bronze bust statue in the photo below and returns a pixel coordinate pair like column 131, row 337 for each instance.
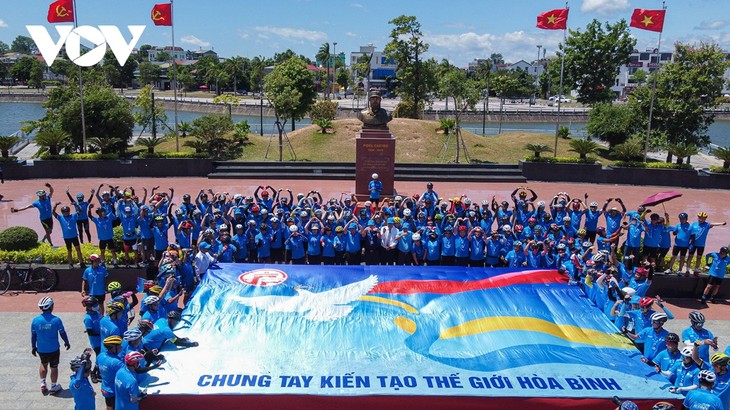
column 375, row 117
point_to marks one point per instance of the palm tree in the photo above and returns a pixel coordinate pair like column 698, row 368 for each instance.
column 682, row 151
column 628, row 151
column 151, row 142
column 196, row 144
column 105, row 144
column 538, row 149
column 184, row 128
column 723, row 154
column 323, row 54
column 52, row 140
column 583, row 147
column 6, row 143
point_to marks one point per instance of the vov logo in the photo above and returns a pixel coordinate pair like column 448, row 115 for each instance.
column 101, row 37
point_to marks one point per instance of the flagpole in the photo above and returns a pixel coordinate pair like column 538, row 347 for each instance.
column 81, row 89
column 653, row 88
column 560, row 88
column 174, row 75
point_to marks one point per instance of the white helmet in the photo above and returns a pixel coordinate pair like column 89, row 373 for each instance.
column 46, row 303
column 398, row 198
column 629, row 291
column 506, row 228
column 149, row 300
column 659, row 316
column 375, row 176
column 407, row 212
column 687, row 351
column 416, row 237
column 293, row 228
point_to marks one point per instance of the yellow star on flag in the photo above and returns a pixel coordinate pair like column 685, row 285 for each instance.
column 647, row 21
column 552, row 19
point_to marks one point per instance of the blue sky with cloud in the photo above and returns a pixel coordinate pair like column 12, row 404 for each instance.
column 459, row 30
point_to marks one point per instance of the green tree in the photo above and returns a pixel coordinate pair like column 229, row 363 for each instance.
column 164, row 56
column 583, row 147
column 7, row 142
column 343, row 78
column 685, row 89
column 186, row 79
column 23, row 44
column 65, row 68
column 639, row 77
column 290, row 89
column 322, row 114
column 151, row 142
column 593, row 58
column 37, row 69
column 496, row 58
column 229, row 101
column 149, row 73
column 613, row 124
column 629, row 150
column 723, row 154
column 323, row 56
column 4, row 48
column 407, row 48
column 118, row 76
column 52, row 141
column 236, row 67
column 363, row 66
column 21, row 70
column 143, row 53
column 211, row 132
column 465, row 93
column 682, row 150
column 537, row 149
column 148, row 113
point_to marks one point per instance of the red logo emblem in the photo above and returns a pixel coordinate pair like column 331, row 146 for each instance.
column 263, row 277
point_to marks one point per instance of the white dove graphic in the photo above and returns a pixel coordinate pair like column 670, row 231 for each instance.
column 320, row 307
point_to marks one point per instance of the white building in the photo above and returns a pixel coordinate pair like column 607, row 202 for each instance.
column 177, row 53
column 648, row 60
column 381, row 67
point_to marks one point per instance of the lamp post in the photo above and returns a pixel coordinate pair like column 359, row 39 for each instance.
column 537, row 76
column 261, row 108
column 334, row 66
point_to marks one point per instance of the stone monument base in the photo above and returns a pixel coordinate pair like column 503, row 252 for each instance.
column 374, row 153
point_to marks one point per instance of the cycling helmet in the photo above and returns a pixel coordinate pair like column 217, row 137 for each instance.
column 158, row 218
column 149, row 300
column 173, row 314
column 687, row 351
column 657, row 316
column 114, row 307
column 263, row 226
column 89, row 301
column 628, row 405
column 519, row 228
column 541, row 204
column 407, row 212
column 696, row 317
column 517, row 243
column 222, row 227
column 416, row 237
column 132, row 334
column 76, row 364
column 724, row 249
column 601, row 229
column 672, row 338
column 339, row 229
column 178, row 212
column 561, row 247
column 255, row 208
column 398, row 198
column 702, row 214
column 646, row 301
column 429, row 185
column 448, row 229
column 629, row 291
column 114, row 286
column 506, row 228
column 45, row 303
column 396, row 220
column 133, row 358
column 467, row 201
column 599, row 257
column 683, row 215
column 438, row 217
column 707, row 376
column 293, row 228
column 720, row 359
column 145, row 325
column 663, row 405
column 80, row 197
column 594, row 204
column 65, row 209
column 581, row 231
column 462, row 228
column 641, row 272
column 186, row 197
column 155, row 289
column 587, row 244
column 112, row 341
column 375, row 176
column 566, row 219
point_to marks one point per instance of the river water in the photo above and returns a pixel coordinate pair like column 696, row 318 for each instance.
column 12, row 115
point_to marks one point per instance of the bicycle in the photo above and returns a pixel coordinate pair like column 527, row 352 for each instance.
column 40, row 278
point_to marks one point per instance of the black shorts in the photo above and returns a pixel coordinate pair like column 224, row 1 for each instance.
column 699, row 250
column 50, row 358
column 110, row 401
column 47, row 224
column 714, row 280
column 71, row 242
column 679, row 250
column 128, row 244
column 149, row 244
column 108, row 243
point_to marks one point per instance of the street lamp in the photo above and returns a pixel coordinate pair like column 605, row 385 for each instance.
column 537, row 77
column 334, row 66
column 261, row 108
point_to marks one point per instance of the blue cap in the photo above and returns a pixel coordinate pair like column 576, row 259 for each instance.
column 406, row 226
column 204, row 245
column 352, row 225
column 391, row 220
column 371, row 223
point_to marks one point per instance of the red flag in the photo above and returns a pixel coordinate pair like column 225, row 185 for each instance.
column 652, row 20
column 553, row 20
column 162, row 14
column 61, row 11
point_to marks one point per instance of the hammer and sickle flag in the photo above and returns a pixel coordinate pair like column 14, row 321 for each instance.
column 162, row 14
column 61, row 11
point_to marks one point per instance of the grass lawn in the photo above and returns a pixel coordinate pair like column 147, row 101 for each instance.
column 416, row 141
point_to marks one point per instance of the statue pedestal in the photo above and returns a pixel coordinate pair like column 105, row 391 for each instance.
column 374, row 153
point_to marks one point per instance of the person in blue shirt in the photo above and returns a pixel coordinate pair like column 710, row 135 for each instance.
column 43, row 205
column 654, row 229
column 698, row 238
column 516, row 258
column 433, row 249
column 108, row 324
column 129, row 218
column 81, row 390
column 613, row 216
column 82, row 218
column 665, row 359
column 145, row 221
column 92, row 329
column 163, row 332
column 104, row 232
column 704, row 398
column 126, row 386
column 682, row 235
column 94, row 279
column 296, row 241
column 683, row 373
column 159, row 233
column 718, row 268
column 67, row 220
column 697, row 332
column 45, row 330
column 375, row 187
column 654, row 337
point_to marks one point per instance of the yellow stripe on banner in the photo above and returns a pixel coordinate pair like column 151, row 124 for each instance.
column 406, row 324
column 377, row 299
column 566, row 332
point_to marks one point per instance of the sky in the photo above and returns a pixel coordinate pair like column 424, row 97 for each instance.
column 458, row 30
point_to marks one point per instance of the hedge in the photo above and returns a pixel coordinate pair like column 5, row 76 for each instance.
column 652, row 165
column 18, row 238
column 562, row 160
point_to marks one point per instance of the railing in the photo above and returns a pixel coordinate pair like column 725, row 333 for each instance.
column 24, row 141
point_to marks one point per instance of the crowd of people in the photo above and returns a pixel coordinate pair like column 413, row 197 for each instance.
column 610, row 251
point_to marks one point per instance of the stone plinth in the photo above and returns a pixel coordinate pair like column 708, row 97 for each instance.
column 374, row 153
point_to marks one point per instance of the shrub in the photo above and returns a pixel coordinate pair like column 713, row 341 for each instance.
column 323, row 124
column 406, row 109
column 537, row 149
column 184, row 154
column 46, row 253
column 80, row 157
column 447, row 125
column 651, row 165
column 564, row 132
column 18, row 238
column 720, row 170
column 562, row 160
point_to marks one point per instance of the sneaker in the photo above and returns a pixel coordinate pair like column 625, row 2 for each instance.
column 713, row 301
column 703, row 300
column 668, row 272
column 44, row 388
column 82, row 265
column 686, row 274
column 71, row 265
column 697, row 274
column 55, row 389
column 94, row 378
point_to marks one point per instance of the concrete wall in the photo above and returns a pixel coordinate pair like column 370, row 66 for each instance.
column 172, row 167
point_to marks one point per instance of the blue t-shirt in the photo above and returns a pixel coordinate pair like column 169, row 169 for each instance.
column 653, row 342
column 47, row 327
column 44, row 207
column 129, row 226
column 96, row 279
column 126, row 387
column 612, row 223
column 296, row 246
column 433, row 250
column 160, row 236
column 702, row 399
column 692, row 335
column 684, row 376
column 375, row 186
column 109, row 365
column 82, row 393
column 719, row 265
column 158, row 335
column 666, row 360
column 108, row 328
column 448, row 246
column 91, row 321
column 68, row 225
column 700, row 231
column 104, row 229
column 683, row 231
